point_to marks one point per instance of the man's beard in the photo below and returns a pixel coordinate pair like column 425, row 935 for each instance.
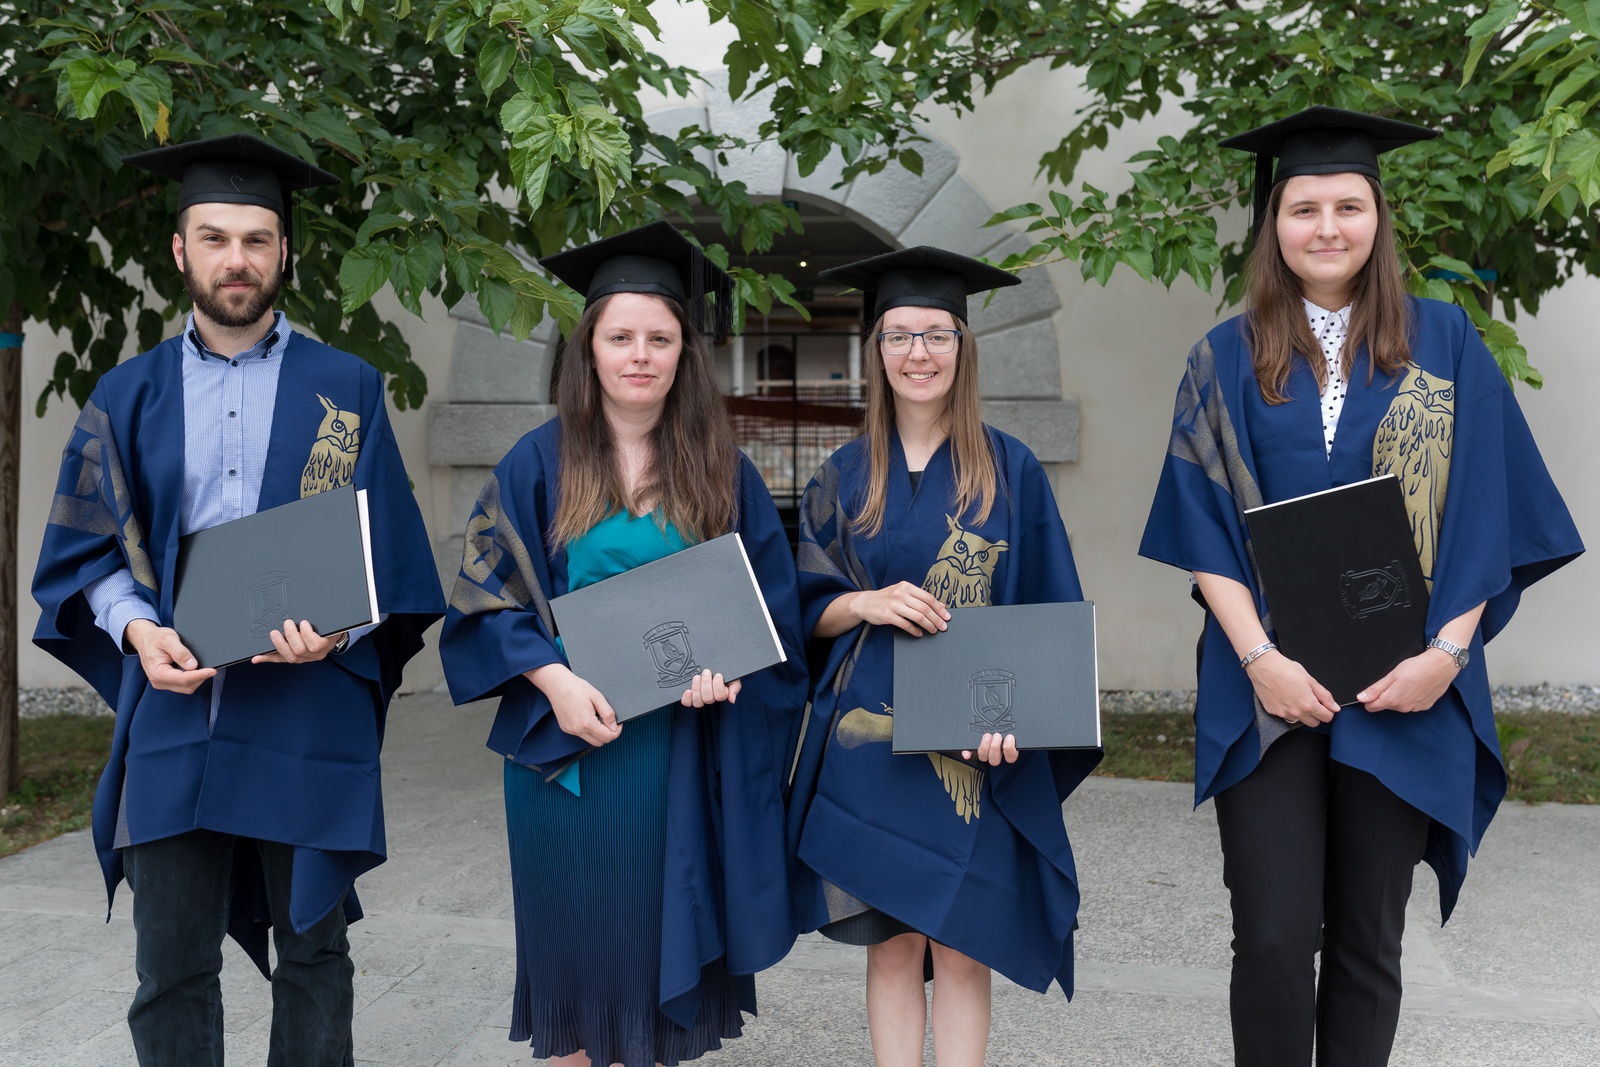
column 210, row 302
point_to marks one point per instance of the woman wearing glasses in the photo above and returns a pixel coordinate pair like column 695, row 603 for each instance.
column 926, row 859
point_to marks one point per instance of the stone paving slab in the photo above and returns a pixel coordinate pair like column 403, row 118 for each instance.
column 1511, row 979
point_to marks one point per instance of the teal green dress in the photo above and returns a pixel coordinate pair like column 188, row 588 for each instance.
column 587, row 861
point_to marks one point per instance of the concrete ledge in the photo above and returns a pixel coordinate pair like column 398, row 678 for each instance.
column 1020, row 362
column 1049, row 427
column 479, row 435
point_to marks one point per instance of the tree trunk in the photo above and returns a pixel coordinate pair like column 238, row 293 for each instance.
column 10, row 455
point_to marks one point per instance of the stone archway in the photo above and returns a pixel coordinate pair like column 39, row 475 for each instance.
column 499, row 387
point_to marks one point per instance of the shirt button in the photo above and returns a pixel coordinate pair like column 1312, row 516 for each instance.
column 232, row 414
column 233, row 362
column 231, row 471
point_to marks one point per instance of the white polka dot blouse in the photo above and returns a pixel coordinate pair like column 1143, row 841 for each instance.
column 1330, row 329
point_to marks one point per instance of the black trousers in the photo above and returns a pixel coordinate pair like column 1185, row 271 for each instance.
column 1316, row 855
column 182, row 887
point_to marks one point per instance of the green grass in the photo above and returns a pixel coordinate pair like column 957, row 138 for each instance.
column 1550, row 757
column 61, row 760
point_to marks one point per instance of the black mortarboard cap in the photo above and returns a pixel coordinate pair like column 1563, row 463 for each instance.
column 1320, row 140
column 923, row 276
column 654, row 259
column 235, row 169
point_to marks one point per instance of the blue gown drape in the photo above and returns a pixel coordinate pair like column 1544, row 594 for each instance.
column 1487, row 520
column 725, row 893
column 976, row 859
column 293, row 754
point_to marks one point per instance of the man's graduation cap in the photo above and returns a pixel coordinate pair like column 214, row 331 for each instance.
column 654, row 259
column 235, row 169
column 923, row 276
column 1320, row 140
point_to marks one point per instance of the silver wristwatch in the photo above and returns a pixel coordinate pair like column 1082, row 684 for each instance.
column 1454, row 651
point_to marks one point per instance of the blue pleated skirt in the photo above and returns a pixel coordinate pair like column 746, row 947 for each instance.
column 586, row 874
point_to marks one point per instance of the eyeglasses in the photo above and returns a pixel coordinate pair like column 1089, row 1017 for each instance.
column 934, row 342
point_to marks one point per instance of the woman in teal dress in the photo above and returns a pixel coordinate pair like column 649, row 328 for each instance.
column 649, row 876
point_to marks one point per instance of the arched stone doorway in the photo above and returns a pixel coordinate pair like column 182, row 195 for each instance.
column 499, row 388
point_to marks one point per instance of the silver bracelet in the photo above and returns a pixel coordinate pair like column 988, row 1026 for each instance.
column 1256, row 653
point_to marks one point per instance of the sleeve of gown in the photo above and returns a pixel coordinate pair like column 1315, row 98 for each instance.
column 1194, row 523
column 91, row 533
column 823, row 555
column 1504, row 525
column 498, row 624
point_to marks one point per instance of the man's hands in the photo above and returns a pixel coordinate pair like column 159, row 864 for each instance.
column 166, row 662
column 297, row 644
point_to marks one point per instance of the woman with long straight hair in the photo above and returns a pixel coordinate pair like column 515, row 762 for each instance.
column 649, row 876
column 1334, row 376
column 963, row 864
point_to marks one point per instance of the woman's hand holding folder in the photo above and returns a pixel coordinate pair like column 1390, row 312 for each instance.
column 580, row 709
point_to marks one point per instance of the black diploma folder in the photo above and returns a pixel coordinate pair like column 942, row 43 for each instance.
column 1340, row 572
column 309, row 559
column 640, row 636
column 1022, row 669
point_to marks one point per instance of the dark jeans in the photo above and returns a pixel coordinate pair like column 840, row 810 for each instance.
column 1316, row 855
column 182, row 887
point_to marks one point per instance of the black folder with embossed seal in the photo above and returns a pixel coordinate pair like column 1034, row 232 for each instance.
column 308, row 560
column 640, row 636
column 1343, row 583
column 1022, row 669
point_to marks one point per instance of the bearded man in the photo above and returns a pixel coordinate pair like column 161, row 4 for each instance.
column 246, row 797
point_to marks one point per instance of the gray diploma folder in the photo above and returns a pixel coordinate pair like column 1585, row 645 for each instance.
column 1342, row 578
column 1022, row 669
column 308, row 560
column 640, row 636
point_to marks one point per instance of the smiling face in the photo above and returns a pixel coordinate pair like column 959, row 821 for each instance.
column 636, row 344
column 232, row 258
column 1326, row 224
column 919, row 379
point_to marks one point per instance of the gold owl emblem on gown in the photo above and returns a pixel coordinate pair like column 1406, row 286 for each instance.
column 962, row 576
column 333, row 457
column 1415, row 440
column 964, row 571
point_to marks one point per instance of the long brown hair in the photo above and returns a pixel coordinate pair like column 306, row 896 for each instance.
column 971, row 451
column 1276, row 326
column 692, row 462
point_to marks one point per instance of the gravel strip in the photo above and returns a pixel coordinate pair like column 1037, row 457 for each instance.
column 1571, row 699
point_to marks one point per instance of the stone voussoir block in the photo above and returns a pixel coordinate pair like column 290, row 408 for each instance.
column 1035, row 298
column 496, row 368
column 1020, row 362
column 761, row 166
column 479, row 435
column 1049, row 427
column 894, row 196
column 954, row 219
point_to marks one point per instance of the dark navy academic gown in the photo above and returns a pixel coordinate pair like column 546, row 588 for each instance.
column 726, row 892
column 976, row 859
column 1487, row 520
column 293, row 754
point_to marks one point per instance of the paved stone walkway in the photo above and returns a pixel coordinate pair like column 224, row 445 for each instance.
column 1513, row 979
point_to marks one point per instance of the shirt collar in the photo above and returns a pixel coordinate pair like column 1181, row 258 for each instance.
column 269, row 347
column 1321, row 319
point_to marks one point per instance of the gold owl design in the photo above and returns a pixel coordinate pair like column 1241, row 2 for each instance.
column 858, row 727
column 1415, row 440
column 963, row 573
column 333, row 457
